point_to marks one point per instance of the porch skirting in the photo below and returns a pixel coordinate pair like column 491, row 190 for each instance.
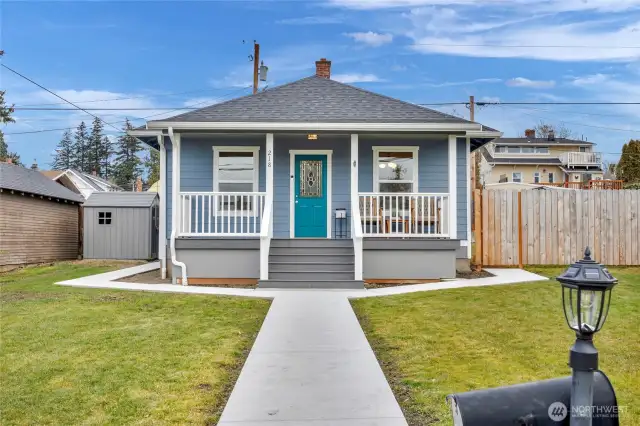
column 215, row 258
column 409, row 259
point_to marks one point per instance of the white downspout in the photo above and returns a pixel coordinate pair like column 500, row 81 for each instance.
column 162, row 191
column 176, row 207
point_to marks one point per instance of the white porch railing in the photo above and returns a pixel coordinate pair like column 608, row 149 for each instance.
column 581, row 159
column 221, row 214
column 402, row 215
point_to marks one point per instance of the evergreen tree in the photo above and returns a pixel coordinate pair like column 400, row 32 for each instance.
column 94, row 148
column 5, row 117
column 628, row 168
column 81, row 140
column 64, row 157
column 106, row 150
column 152, row 166
column 128, row 165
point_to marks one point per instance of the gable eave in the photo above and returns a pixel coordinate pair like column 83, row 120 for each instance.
column 318, row 126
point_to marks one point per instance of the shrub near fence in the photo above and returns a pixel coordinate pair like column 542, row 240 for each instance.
column 552, row 227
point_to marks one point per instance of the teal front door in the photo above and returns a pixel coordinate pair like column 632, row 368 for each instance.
column 310, row 196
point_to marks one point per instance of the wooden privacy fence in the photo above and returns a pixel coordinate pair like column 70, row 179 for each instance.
column 553, row 227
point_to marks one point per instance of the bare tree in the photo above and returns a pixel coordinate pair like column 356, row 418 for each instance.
column 561, row 131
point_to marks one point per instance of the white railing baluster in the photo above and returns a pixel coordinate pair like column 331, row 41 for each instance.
column 422, row 215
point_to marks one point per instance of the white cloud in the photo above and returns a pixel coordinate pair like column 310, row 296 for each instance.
column 356, row 78
column 531, row 5
column 590, row 79
column 371, row 38
column 525, row 82
column 312, row 20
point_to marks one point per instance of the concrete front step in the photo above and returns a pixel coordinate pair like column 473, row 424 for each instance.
column 292, row 251
column 311, row 275
column 309, row 258
column 310, row 242
column 338, row 266
column 309, row 284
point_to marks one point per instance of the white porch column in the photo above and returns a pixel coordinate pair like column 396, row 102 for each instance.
column 356, row 232
column 162, row 192
column 453, row 191
column 270, row 158
column 469, row 197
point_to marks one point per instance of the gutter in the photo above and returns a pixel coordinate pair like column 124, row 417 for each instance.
column 318, row 126
column 175, row 158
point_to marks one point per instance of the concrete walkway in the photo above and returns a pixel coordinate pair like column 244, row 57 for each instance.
column 311, row 363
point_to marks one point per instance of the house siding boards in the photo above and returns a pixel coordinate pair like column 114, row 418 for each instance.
column 197, row 168
column 49, row 232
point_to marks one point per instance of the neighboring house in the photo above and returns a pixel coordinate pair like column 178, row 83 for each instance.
column 38, row 218
column 79, row 182
column 121, row 225
column 154, row 187
column 540, row 160
column 255, row 187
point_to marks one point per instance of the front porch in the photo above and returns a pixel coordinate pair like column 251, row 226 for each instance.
column 389, row 186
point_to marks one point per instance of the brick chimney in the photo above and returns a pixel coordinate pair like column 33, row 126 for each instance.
column 139, row 184
column 323, row 68
column 530, row 133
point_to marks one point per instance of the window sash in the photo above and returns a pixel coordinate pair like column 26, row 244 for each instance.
column 226, row 205
column 398, row 152
column 516, row 177
column 536, row 177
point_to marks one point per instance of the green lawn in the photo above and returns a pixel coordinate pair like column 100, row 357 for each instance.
column 94, row 357
column 435, row 343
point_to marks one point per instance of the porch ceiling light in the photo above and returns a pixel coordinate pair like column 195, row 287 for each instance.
column 586, row 295
column 312, row 137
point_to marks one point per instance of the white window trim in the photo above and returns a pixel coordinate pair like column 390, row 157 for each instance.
column 415, row 184
column 513, row 177
column 551, row 177
column 538, row 176
column 255, row 150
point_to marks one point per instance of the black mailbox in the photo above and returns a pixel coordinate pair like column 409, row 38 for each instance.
column 546, row 402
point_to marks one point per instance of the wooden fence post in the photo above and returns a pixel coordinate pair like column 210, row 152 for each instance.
column 477, row 220
column 520, row 229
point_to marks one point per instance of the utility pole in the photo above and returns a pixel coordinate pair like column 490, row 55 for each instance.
column 472, row 108
column 256, row 66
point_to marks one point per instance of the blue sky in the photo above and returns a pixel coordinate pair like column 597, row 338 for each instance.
column 175, row 54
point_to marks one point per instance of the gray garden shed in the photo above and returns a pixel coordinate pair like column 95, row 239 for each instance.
column 121, row 225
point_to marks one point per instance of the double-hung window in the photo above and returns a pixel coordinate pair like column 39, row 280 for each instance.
column 536, row 177
column 551, row 177
column 395, row 169
column 517, row 177
column 235, row 171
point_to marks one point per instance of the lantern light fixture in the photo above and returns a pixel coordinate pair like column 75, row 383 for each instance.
column 586, row 294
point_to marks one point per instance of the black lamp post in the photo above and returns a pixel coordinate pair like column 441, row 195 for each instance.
column 586, row 295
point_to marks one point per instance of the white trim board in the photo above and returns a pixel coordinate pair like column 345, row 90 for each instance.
column 292, row 187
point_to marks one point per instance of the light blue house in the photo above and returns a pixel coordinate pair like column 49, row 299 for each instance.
column 314, row 183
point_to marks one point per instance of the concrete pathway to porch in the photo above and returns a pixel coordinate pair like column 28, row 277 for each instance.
column 311, row 365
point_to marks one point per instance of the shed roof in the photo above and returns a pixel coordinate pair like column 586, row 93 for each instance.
column 21, row 179
column 316, row 100
column 121, row 199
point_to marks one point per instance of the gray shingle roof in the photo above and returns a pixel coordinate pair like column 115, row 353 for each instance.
column 121, row 199
column 21, row 179
column 316, row 99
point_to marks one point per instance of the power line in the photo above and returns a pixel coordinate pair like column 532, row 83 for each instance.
column 479, row 103
column 105, row 109
column 58, row 96
column 137, row 118
column 533, row 46
column 118, row 99
column 581, row 124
